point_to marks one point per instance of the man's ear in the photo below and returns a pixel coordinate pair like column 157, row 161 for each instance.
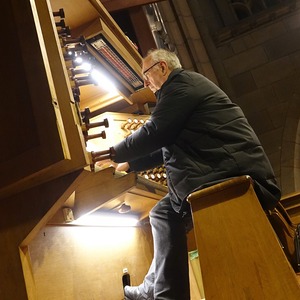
column 164, row 67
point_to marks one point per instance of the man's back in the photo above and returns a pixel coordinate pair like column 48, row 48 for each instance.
column 215, row 140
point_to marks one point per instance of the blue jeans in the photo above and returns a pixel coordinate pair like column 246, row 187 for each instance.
column 168, row 275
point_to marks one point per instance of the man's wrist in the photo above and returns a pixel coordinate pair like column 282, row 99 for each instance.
column 112, row 153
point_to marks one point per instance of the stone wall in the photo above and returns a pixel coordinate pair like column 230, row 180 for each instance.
column 264, row 70
column 259, row 69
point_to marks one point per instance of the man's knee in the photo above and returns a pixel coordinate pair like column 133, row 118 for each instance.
column 161, row 207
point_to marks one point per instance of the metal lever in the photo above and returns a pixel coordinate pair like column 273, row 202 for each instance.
column 59, row 13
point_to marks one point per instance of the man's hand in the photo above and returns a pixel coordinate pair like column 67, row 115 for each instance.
column 121, row 167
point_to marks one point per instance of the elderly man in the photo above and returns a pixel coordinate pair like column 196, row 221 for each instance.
column 202, row 138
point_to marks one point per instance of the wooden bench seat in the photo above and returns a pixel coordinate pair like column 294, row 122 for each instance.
column 239, row 252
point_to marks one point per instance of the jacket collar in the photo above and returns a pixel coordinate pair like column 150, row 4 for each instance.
column 171, row 76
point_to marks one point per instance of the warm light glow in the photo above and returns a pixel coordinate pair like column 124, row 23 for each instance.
column 90, row 146
column 86, row 66
column 110, row 220
column 103, row 237
column 103, row 81
column 78, row 60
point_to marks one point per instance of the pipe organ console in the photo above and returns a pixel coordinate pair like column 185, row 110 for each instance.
column 61, row 123
column 48, row 176
column 73, row 49
column 77, row 52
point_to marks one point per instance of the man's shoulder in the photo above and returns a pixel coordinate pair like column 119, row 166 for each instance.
column 187, row 75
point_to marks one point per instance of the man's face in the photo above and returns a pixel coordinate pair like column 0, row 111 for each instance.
column 152, row 74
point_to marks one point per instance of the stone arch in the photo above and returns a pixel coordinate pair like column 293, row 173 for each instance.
column 290, row 151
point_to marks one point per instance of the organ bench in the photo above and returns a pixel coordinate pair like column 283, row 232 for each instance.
column 239, row 253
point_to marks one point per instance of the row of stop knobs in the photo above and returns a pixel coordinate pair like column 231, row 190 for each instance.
column 72, row 48
column 156, row 174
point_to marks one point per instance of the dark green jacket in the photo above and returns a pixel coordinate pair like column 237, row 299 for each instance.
column 201, row 137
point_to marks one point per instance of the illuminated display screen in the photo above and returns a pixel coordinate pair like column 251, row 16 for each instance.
column 110, row 55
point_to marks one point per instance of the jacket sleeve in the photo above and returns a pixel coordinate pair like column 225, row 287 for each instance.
column 147, row 162
column 167, row 120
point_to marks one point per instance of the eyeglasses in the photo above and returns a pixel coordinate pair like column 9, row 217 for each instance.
column 145, row 76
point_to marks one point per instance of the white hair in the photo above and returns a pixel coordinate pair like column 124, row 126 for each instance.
column 164, row 55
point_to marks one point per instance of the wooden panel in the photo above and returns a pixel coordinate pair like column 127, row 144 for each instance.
column 239, row 254
column 140, row 202
column 88, row 18
column 87, row 262
column 80, row 13
column 39, row 133
column 144, row 95
column 196, row 284
column 21, row 216
column 98, row 188
column 77, row 12
column 291, row 203
column 102, row 192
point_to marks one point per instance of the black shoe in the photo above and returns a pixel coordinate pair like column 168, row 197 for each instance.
column 132, row 293
column 126, row 280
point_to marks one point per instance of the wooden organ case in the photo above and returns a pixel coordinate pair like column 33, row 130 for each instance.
column 52, row 112
column 56, row 119
column 56, row 123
